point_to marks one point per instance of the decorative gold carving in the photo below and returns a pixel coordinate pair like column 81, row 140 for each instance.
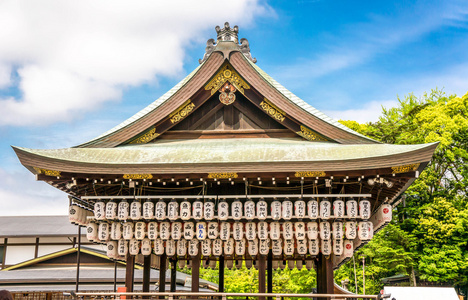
column 405, row 168
column 272, row 110
column 227, row 73
column 310, row 174
column 147, row 137
column 309, row 134
column 48, row 172
column 137, row 176
column 227, row 96
column 182, row 111
column 224, row 175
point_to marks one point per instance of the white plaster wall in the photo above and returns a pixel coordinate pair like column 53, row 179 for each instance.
column 17, row 254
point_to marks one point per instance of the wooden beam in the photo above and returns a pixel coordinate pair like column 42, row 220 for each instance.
column 270, row 273
column 207, row 116
column 129, row 272
column 196, row 272
column 325, row 283
column 5, row 244
column 162, row 273
column 221, row 274
column 173, row 274
column 146, row 273
column 78, row 258
column 36, row 248
column 261, row 275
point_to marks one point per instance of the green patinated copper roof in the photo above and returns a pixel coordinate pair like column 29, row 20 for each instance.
column 225, row 151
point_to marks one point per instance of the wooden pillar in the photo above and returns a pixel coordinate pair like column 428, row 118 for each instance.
column 36, row 248
column 196, row 272
column 173, row 274
column 129, row 272
column 162, row 273
column 270, row 273
column 146, row 273
column 115, row 276
column 5, row 244
column 261, row 275
column 221, row 274
column 325, row 283
column 78, row 260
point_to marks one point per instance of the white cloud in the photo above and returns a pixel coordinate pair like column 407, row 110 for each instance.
column 21, row 195
column 369, row 113
column 72, row 56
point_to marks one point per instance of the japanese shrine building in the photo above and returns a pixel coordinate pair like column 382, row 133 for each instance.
column 230, row 166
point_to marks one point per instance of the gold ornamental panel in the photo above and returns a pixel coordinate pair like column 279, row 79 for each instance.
column 310, row 174
column 48, row 172
column 224, row 175
column 405, row 168
column 182, row 112
column 310, row 135
column 226, row 73
column 137, row 176
column 272, row 110
column 147, row 137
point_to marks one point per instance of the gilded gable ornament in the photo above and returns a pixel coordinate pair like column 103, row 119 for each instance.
column 272, row 110
column 310, row 135
column 227, row 74
column 48, row 172
column 183, row 111
column 227, row 94
column 147, row 137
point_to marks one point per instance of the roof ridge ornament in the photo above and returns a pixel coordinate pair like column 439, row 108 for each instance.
column 227, row 34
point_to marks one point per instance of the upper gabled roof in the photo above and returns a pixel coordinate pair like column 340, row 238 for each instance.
column 227, row 57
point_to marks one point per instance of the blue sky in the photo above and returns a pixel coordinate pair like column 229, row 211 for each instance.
column 72, row 70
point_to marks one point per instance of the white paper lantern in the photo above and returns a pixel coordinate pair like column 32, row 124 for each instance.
column 164, row 230
column 213, row 230
column 229, row 264
column 262, row 210
column 92, row 232
column 135, row 210
column 365, row 209
column 123, row 210
column 299, row 264
column 171, row 248
column 103, row 231
column 277, row 247
column 276, row 210
column 313, row 208
column 223, row 210
column 240, row 247
column 148, row 210
column 236, row 210
column 299, row 230
column 181, row 248
column 326, row 247
column 325, row 208
column 218, row 247
column 250, row 231
column 291, row 264
column 146, row 247
column 182, row 263
column 312, row 230
column 208, row 210
column 365, row 230
column 264, row 247
column 337, row 228
column 229, row 246
column 309, row 264
column 201, row 230
column 262, row 230
column 249, row 210
column 287, row 209
column 338, row 208
column 160, row 210
column 116, row 231
column 122, row 247
column 238, row 264
column 176, row 231
column 153, row 230
column 351, row 208
column 300, row 209
column 248, row 263
column 206, row 248
column 314, row 247
column 325, row 230
column 350, row 230
column 127, row 230
column 140, row 228
column 189, row 230
column 197, row 210
column 158, row 247
column 253, row 247
column 348, row 248
column 225, row 232
column 134, row 247
column 173, row 210
column 100, row 210
column 238, row 231
column 73, row 213
column 385, row 213
column 289, row 247
column 275, row 231
column 302, row 247
column 112, row 249
column 185, row 210
column 338, row 247
column 288, row 232
column 275, row 264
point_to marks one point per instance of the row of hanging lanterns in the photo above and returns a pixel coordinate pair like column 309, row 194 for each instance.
column 104, row 231
column 230, row 247
column 249, row 210
column 249, row 263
